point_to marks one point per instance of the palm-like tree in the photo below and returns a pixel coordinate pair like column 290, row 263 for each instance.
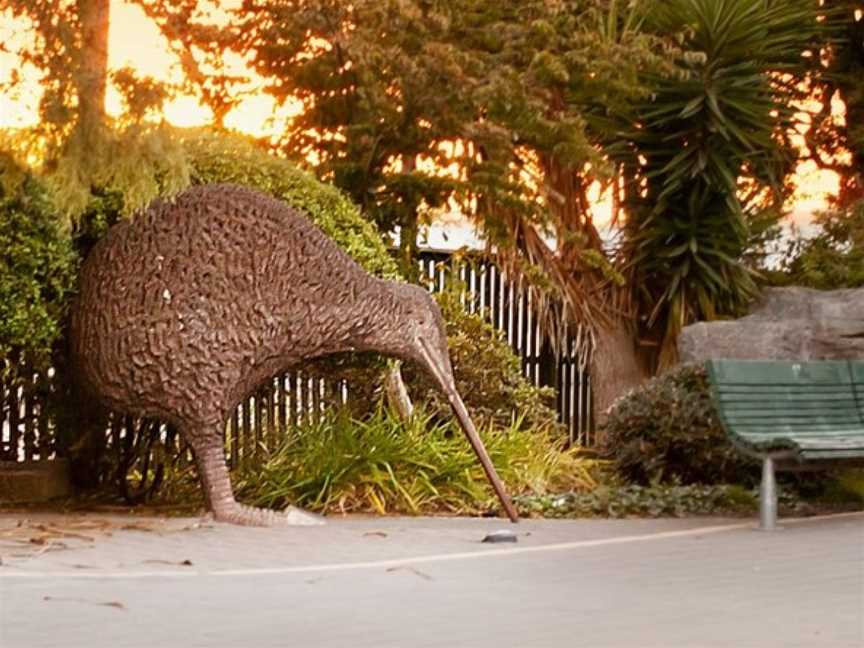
column 711, row 140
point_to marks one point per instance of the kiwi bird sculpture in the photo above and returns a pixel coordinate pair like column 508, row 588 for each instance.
column 187, row 308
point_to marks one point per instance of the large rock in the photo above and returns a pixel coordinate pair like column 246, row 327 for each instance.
column 785, row 324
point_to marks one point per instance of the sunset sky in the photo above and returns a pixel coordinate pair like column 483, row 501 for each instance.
column 135, row 41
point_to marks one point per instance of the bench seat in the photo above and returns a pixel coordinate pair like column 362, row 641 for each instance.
column 790, row 411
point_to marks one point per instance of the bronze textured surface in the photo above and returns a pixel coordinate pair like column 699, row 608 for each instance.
column 186, row 309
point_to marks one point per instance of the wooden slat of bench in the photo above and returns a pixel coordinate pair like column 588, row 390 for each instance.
column 795, row 427
column 856, row 371
column 782, row 406
column 784, row 396
column 805, row 444
column 792, row 413
column 820, row 441
column 756, row 436
column 801, row 386
column 804, row 416
column 808, row 407
column 764, row 427
column 828, row 454
column 753, row 372
column 792, row 408
column 834, row 399
column 828, row 392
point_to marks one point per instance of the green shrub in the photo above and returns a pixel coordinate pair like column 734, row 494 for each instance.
column 380, row 465
column 669, row 431
column 832, row 259
column 38, row 266
column 212, row 158
column 236, row 159
column 847, row 486
column 618, row 501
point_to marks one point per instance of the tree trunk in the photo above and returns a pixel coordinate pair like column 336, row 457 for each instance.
column 409, row 229
column 92, row 73
column 408, row 249
column 615, row 368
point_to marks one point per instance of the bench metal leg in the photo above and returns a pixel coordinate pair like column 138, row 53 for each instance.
column 768, row 497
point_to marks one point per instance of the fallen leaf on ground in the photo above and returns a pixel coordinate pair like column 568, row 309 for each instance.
column 157, row 561
column 378, row 534
column 413, row 570
column 137, row 526
column 114, row 604
column 64, row 533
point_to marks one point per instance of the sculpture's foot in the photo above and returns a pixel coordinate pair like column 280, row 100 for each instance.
column 251, row 516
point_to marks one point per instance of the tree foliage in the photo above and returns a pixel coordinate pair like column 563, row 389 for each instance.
column 80, row 151
column 510, row 109
column 220, row 157
column 501, row 90
column 38, row 266
column 382, row 92
column 676, row 103
column 837, row 142
column 668, row 431
column 201, row 47
column 707, row 142
column 831, row 260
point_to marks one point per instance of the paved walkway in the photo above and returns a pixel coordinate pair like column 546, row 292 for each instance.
column 144, row 582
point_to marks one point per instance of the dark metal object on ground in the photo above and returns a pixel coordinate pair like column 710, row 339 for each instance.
column 500, row 536
column 185, row 310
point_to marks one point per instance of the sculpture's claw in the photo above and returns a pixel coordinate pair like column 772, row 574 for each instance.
column 298, row 517
column 251, row 516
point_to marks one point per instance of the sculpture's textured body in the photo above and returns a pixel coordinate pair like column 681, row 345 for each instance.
column 187, row 309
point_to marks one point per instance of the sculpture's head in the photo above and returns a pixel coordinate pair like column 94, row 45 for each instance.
column 424, row 340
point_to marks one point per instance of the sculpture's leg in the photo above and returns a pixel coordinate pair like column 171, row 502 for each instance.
column 210, row 459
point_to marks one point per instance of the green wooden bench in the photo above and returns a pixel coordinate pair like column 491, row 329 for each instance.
column 789, row 414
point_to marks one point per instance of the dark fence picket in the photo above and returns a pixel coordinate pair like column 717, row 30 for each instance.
column 30, row 439
column 7, row 452
column 282, row 406
column 44, row 433
column 247, row 434
column 232, row 433
column 15, row 419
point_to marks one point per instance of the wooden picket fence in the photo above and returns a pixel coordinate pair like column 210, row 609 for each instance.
column 27, row 431
column 487, row 291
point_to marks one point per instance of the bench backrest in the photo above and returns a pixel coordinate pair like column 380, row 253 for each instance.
column 765, row 403
column 856, row 370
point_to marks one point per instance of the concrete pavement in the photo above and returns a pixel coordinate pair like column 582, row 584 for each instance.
column 404, row 582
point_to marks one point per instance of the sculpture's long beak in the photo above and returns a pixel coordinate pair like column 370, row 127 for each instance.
column 445, row 380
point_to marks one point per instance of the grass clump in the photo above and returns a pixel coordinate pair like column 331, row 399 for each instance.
column 380, row 465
